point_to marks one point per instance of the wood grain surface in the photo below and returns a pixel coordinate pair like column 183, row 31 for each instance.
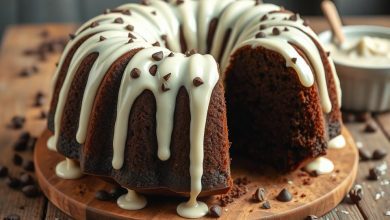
column 16, row 98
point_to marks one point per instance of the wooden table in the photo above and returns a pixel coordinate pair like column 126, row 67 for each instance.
column 17, row 97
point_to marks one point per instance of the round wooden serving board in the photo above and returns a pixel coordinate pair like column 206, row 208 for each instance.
column 311, row 195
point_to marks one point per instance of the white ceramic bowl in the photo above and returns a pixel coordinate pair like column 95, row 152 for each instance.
column 364, row 88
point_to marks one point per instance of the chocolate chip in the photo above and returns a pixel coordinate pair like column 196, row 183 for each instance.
column 153, row 70
column 190, row 53
column 72, row 36
column 17, row 159
column 364, row 154
column 356, row 193
column 293, row 17
column 262, row 27
column 259, row 195
column 130, row 41
column 363, row 117
column 154, row 13
column 285, row 29
column 158, row 56
column 266, row 205
column 374, row 174
column 171, row 55
column 179, row 2
column 311, row 217
column 26, row 179
column 126, row 12
column 263, row 18
column 135, row 73
column 12, row 217
column 94, row 24
column 25, row 73
column 42, row 115
column 29, row 166
column 197, row 81
column 102, row 195
column 17, row 122
column 164, row 37
column 371, row 127
column 157, row 44
column 166, row 77
column 164, row 88
column 101, row 38
column 12, row 182
column 327, row 53
column 31, row 191
column 284, row 196
column 130, row 27
column 117, row 191
column 3, row 171
column 379, row 154
column 130, row 35
column 260, row 35
column 215, row 211
column 21, row 143
column 275, row 31
column 39, row 99
column 118, row 20
column 294, row 60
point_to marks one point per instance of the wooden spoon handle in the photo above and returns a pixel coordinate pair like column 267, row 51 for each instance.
column 330, row 11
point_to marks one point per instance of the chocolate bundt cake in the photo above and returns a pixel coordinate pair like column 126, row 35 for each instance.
column 138, row 98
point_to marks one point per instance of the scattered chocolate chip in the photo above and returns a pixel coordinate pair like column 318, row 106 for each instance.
column 94, row 24
column 327, row 53
column 12, row 182
column 379, row 154
column 130, row 35
column 154, row 13
column 130, row 27
column 17, row 159
column 39, row 99
column 293, row 17
column 126, row 12
column 197, row 81
column 260, row 35
column 72, row 36
column 262, row 27
column 294, row 60
column 164, row 37
column 190, row 53
column 363, row 117
column 153, row 70
column 21, row 143
column 374, row 174
column 275, row 31
column 371, row 127
column 179, row 2
column 26, row 179
column 364, row 154
column 31, row 191
column 215, row 211
column 166, row 77
column 117, row 191
column 3, row 171
column 17, row 122
column 26, row 73
column 259, row 195
column 135, row 73
column 157, row 44
column 158, row 56
column 263, row 18
column 118, row 20
column 29, row 166
column 42, row 115
column 266, row 205
column 171, row 55
column 130, row 41
column 164, row 88
column 102, row 195
column 356, row 193
column 285, row 29
column 101, row 38
column 284, row 196
column 12, row 217
column 311, row 217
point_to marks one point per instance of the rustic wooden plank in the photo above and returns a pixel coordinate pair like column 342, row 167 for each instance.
column 373, row 208
column 54, row 213
column 16, row 98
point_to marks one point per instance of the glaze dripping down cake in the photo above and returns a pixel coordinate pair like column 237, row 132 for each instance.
column 140, row 91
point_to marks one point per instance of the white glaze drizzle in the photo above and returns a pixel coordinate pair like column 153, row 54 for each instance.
column 150, row 24
column 132, row 201
column 337, row 142
column 68, row 169
column 320, row 166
